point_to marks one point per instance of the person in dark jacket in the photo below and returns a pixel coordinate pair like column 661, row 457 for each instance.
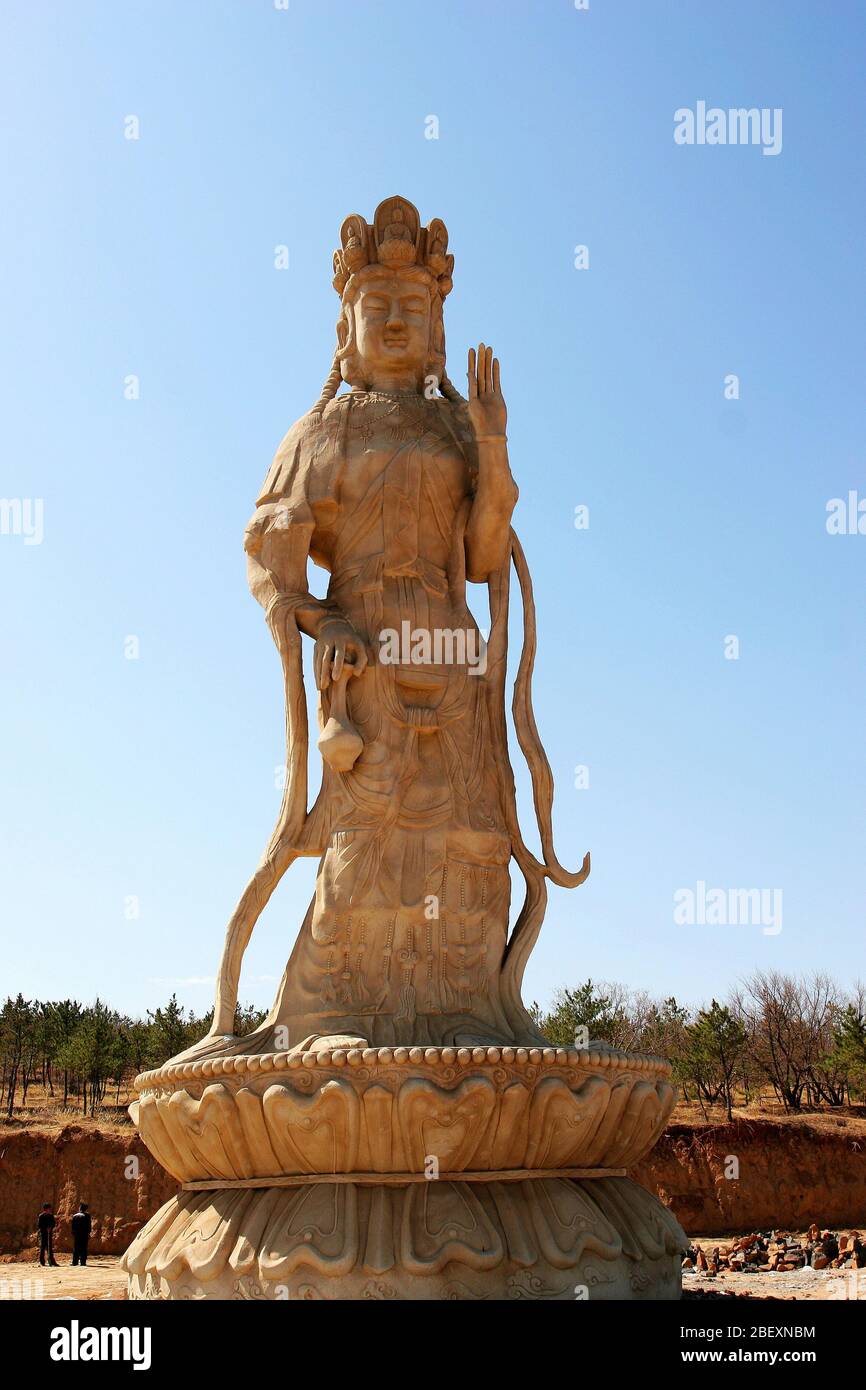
column 81, row 1224
column 46, row 1225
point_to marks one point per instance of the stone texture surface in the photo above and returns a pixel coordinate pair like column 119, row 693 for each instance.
column 540, row 1239
column 502, row 1108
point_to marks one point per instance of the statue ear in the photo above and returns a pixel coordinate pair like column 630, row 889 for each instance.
column 345, row 329
column 437, row 332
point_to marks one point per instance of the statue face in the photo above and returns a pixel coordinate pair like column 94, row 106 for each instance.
column 392, row 326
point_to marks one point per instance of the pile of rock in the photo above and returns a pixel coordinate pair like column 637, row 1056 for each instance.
column 779, row 1251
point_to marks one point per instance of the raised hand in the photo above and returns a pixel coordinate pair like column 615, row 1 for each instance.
column 486, row 403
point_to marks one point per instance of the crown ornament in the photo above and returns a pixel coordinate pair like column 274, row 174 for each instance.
column 395, row 239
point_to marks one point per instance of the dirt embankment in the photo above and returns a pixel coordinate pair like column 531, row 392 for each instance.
column 77, row 1165
column 790, row 1175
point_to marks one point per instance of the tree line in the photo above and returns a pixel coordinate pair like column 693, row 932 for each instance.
column 804, row 1038
column 78, row 1054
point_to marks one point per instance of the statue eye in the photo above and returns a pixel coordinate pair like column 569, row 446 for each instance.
column 375, row 304
column 414, row 305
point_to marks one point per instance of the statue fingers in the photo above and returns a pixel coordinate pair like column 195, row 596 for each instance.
column 339, row 660
column 480, row 371
column 496, row 387
column 488, row 371
column 323, row 670
column 473, row 391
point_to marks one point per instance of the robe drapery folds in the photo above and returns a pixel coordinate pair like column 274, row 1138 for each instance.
column 406, row 939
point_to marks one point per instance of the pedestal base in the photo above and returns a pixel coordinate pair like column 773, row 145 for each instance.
column 541, row 1238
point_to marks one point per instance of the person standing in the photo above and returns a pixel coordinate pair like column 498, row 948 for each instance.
column 81, row 1224
column 46, row 1223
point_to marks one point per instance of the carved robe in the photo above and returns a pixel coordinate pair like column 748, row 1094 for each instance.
column 404, row 939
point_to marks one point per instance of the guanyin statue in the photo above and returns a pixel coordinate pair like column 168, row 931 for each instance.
column 402, row 490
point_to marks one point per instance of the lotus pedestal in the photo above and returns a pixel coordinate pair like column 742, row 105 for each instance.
column 407, row 1173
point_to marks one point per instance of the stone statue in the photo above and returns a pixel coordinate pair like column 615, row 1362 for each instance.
column 402, row 490
column 398, row 1041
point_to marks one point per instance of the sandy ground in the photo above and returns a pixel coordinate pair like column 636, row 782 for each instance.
column 806, row 1285
column 101, row 1277
column 850, row 1119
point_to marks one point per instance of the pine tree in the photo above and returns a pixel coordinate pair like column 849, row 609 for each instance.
column 849, row 1049
column 714, row 1043
column 581, row 1008
column 169, row 1032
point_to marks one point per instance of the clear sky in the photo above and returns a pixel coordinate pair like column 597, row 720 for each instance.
column 260, row 127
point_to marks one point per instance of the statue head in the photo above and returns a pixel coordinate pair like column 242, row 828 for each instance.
column 392, row 277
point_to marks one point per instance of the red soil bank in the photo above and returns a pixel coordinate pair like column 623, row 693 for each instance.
column 72, row 1166
column 790, row 1175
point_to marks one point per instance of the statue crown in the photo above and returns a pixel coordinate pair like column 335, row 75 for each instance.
column 395, row 239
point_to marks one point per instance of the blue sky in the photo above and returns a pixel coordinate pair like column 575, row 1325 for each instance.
column 154, row 778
